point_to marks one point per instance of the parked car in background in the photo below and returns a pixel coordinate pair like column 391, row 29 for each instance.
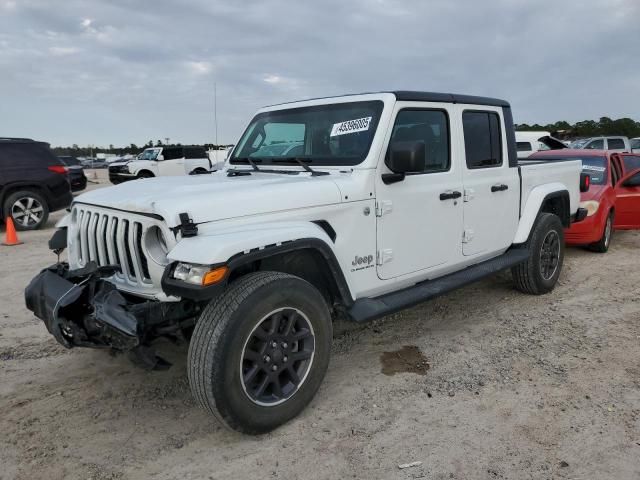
column 613, row 199
column 33, row 182
column 530, row 142
column 613, row 144
column 161, row 162
column 77, row 178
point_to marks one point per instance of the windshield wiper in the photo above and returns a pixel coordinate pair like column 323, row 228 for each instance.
column 249, row 161
column 300, row 161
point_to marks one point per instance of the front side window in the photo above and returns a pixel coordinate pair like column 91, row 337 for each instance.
column 149, row 154
column 635, row 142
column 595, row 145
column 482, row 139
column 430, row 127
column 615, row 144
column 523, row 146
column 631, row 162
column 335, row 134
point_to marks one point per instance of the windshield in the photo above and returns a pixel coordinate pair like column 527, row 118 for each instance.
column 336, row 134
column 596, row 167
column 149, row 154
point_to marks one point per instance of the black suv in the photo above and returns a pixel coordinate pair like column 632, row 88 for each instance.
column 33, row 182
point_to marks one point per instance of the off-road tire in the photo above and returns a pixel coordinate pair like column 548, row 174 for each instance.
column 23, row 196
column 528, row 276
column 220, row 337
column 602, row 245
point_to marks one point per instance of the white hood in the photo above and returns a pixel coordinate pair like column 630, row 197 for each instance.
column 216, row 196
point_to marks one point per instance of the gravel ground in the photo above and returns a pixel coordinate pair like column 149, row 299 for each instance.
column 497, row 385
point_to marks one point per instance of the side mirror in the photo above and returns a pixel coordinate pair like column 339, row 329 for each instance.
column 585, row 182
column 407, row 157
column 160, row 157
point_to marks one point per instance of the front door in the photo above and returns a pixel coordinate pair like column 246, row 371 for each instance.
column 627, row 214
column 420, row 218
column 172, row 162
column 491, row 186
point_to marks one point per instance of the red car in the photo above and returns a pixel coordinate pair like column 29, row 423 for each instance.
column 613, row 200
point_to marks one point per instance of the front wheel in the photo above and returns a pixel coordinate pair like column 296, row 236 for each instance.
column 539, row 274
column 260, row 351
column 602, row 245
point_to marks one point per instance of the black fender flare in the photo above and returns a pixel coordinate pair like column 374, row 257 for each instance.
column 171, row 286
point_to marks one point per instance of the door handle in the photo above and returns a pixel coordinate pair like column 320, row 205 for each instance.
column 499, row 188
column 450, row 195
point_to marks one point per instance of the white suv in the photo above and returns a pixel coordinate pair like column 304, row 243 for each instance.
column 161, row 162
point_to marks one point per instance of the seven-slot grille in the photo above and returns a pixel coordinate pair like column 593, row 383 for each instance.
column 111, row 239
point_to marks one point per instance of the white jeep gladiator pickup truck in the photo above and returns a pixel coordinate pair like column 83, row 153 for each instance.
column 391, row 199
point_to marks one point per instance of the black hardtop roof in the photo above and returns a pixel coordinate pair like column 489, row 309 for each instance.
column 418, row 96
column 412, row 96
column 16, row 140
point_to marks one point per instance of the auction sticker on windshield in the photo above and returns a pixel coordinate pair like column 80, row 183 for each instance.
column 351, row 126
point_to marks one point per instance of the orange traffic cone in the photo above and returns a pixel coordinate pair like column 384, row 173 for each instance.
column 11, row 237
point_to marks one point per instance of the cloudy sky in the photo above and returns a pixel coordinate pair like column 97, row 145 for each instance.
column 123, row 71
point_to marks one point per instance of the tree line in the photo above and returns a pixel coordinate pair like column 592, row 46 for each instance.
column 588, row 128
column 132, row 149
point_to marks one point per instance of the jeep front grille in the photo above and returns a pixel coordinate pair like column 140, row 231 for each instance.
column 110, row 238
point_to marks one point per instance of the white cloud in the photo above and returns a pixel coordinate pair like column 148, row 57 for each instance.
column 199, row 68
column 272, row 79
column 8, row 4
column 63, row 51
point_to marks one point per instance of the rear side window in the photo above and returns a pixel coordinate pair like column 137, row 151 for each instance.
column 523, row 146
column 194, row 152
column 27, row 155
column 430, row 127
column 615, row 144
column 172, row 153
column 482, row 139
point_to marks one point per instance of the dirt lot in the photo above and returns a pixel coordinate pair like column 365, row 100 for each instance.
column 513, row 386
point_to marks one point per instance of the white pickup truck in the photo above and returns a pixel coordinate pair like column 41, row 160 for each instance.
column 391, row 199
column 161, row 161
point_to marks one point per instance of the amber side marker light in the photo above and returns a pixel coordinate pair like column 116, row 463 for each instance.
column 214, row 276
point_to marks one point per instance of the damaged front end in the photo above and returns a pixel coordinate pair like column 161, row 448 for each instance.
column 82, row 309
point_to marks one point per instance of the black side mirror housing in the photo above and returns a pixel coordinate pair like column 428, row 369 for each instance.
column 403, row 158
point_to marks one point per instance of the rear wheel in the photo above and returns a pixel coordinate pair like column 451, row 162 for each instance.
column 28, row 209
column 260, row 351
column 539, row 274
column 602, row 245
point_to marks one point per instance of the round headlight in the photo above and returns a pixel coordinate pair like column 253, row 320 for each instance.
column 156, row 245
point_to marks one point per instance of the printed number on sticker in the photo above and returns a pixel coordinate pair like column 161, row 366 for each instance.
column 351, row 126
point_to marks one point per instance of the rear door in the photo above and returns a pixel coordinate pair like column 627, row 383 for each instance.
column 172, row 162
column 628, row 201
column 419, row 222
column 491, row 186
